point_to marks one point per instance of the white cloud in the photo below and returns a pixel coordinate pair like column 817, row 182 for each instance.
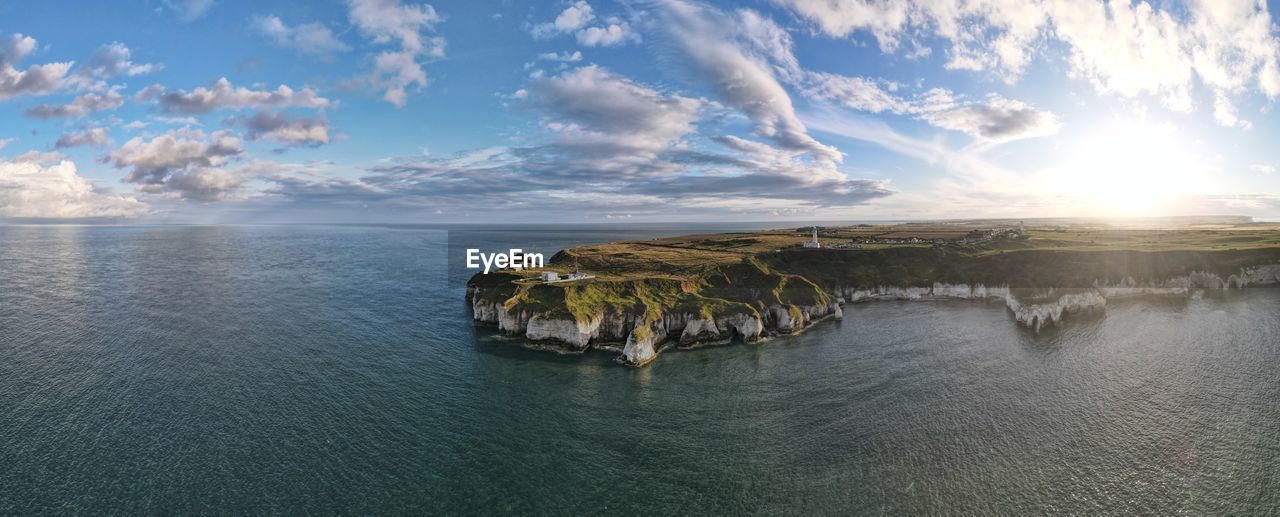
column 995, row 120
column 81, row 106
column 1263, row 168
column 607, row 35
column 595, row 104
column 1224, row 112
column 187, row 163
column 40, row 157
column 278, row 126
column 1119, row 47
column 574, row 17
column 14, row 48
column 36, row 79
column 708, row 38
column 839, row 18
column 114, row 60
column 858, row 93
column 223, row 95
column 389, row 22
column 31, row 189
column 308, row 38
column 91, row 136
column 189, row 10
column 576, row 20
column 1128, row 50
column 563, row 57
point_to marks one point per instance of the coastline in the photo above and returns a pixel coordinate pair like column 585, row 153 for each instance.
column 1031, row 308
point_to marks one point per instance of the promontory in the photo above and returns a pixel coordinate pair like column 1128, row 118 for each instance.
column 639, row 298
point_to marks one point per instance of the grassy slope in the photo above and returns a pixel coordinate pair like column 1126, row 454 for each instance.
column 724, row 274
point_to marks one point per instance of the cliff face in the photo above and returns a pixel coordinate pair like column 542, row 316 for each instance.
column 1037, row 310
column 752, row 301
column 644, row 334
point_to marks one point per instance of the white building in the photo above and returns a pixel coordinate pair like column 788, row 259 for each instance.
column 813, row 243
column 550, row 276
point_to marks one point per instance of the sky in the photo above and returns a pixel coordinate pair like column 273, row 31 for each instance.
column 212, row 111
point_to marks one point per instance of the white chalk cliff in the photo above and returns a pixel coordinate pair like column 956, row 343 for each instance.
column 643, row 339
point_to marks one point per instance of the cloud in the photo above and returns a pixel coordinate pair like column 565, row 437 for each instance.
column 189, row 10
column 278, row 126
column 14, row 48
column 591, row 105
column 187, row 163
column 89, row 136
column 40, row 157
column 608, row 144
column 223, row 95
column 31, row 189
column 611, row 144
column 1224, row 112
column 1119, row 47
column 308, row 38
column 858, row 93
column 995, row 120
column 113, row 60
column 741, row 79
column 1263, row 168
column 81, row 106
column 388, row 22
column 36, row 79
column 563, row 57
column 572, row 18
column 177, row 121
column 5, row 142
column 609, row 35
column 575, row 20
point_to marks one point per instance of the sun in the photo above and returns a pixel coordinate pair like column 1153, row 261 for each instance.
column 1129, row 168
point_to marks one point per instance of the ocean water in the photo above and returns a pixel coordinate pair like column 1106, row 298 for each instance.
column 335, row 370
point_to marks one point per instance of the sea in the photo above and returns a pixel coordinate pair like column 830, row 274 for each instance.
column 335, row 369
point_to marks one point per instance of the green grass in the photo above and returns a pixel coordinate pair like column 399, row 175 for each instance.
column 718, row 275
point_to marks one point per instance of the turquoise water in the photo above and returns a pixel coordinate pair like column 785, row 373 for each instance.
column 333, row 369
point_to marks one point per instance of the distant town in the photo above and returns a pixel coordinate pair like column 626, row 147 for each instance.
column 846, row 237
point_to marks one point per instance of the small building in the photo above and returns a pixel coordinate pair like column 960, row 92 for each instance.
column 549, row 276
column 813, row 243
column 578, row 276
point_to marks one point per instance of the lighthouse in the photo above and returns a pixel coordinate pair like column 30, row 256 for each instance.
column 813, row 243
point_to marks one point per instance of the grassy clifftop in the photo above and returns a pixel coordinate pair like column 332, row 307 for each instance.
column 1033, row 268
column 714, row 275
column 746, row 287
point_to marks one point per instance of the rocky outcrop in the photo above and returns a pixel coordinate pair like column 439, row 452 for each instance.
column 642, row 341
column 1043, row 308
column 643, row 336
column 1037, row 315
column 700, row 330
column 1053, row 307
column 936, row 291
column 574, row 334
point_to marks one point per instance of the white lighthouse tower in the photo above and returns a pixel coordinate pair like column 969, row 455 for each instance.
column 813, row 243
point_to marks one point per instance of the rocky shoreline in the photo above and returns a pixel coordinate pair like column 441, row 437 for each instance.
column 641, row 338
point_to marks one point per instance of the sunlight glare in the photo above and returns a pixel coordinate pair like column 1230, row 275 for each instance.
column 1130, row 168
